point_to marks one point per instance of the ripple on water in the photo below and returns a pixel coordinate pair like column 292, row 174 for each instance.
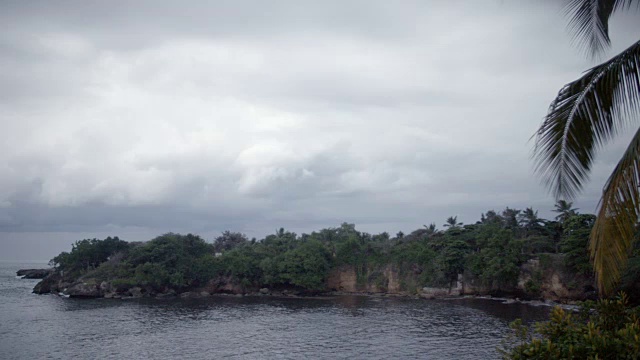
column 34, row 326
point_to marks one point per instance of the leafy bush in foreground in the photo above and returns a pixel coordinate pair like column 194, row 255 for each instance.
column 611, row 330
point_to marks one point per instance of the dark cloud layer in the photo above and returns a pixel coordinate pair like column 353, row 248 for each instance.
column 138, row 118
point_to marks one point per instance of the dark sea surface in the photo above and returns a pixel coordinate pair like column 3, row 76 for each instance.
column 355, row 327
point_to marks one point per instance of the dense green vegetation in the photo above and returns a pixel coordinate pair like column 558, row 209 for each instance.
column 87, row 254
column 608, row 329
column 489, row 253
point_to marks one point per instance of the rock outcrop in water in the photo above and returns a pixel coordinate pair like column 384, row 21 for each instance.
column 34, row 273
column 87, row 287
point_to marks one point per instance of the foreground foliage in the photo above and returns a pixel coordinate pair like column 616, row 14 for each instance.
column 586, row 114
column 608, row 329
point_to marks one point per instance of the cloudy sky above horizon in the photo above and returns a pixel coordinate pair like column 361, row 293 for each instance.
column 135, row 119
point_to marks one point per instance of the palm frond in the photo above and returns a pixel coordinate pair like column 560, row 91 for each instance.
column 585, row 114
column 613, row 233
column 590, row 21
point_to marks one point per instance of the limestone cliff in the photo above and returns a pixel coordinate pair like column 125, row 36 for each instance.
column 386, row 279
column 540, row 278
column 546, row 277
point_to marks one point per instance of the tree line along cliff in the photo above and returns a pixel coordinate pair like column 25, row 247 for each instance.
column 508, row 253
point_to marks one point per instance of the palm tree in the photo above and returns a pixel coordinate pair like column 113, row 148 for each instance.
column 564, row 210
column 586, row 114
column 452, row 222
column 510, row 217
column 491, row 217
column 431, row 229
column 530, row 221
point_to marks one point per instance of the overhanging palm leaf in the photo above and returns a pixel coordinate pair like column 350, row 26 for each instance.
column 613, row 232
column 586, row 114
column 590, row 21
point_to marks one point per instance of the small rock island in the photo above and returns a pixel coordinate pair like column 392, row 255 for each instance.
column 34, row 273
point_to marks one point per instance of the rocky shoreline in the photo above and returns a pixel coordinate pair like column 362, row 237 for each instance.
column 54, row 283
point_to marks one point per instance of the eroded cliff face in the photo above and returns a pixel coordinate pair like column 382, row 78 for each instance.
column 547, row 279
column 393, row 280
column 386, row 279
column 343, row 278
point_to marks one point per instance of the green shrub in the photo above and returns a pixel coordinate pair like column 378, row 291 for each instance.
column 151, row 274
column 611, row 330
column 532, row 287
column 88, row 254
column 306, row 266
column 545, row 261
column 124, row 284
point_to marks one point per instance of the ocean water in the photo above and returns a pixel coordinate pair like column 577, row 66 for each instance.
column 344, row 327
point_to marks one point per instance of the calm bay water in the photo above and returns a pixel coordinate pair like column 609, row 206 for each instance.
column 45, row 326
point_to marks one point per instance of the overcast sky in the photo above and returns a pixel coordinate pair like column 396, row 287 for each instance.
column 139, row 118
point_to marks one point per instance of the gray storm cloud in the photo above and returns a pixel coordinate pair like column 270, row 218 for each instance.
column 137, row 119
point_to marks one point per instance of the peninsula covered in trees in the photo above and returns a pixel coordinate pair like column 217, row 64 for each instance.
column 511, row 252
